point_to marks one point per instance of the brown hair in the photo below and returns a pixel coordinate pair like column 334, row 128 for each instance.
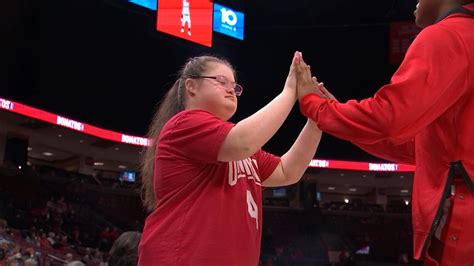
column 171, row 104
column 124, row 251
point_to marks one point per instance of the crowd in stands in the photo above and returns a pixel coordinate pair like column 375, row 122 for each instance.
column 324, row 237
column 45, row 233
column 356, row 206
column 62, row 225
column 42, row 224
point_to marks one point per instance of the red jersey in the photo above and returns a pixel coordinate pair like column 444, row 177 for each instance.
column 208, row 212
column 423, row 116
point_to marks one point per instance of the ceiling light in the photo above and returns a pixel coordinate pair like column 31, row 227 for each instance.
column 47, row 153
column 353, row 189
column 98, row 163
column 404, row 190
column 331, row 188
column 122, row 167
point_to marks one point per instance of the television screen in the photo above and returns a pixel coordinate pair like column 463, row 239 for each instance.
column 128, row 176
column 228, row 21
column 318, row 196
column 187, row 19
column 150, row 4
column 279, row 192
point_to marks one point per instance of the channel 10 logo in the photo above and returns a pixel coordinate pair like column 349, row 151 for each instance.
column 228, row 21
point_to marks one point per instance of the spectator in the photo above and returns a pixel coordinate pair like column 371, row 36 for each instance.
column 403, row 259
column 3, row 225
column 31, row 258
column 124, row 251
column 88, row 256
column 16, row 259
column 68, row 259
column 76, row 263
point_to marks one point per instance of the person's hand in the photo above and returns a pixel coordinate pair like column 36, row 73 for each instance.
column 324, row 93
column 290, row 83
column 305, row 83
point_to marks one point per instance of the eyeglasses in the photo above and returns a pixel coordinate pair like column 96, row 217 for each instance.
column 224, row 82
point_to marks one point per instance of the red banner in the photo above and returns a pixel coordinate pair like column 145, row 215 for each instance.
column 71, row 124
column 362, row 166
column 402, row 34
column 141, row 141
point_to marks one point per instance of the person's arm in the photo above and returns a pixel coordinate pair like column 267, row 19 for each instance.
column 294, row 162
column 401, row 153
column 430, row 80
column 250, row 134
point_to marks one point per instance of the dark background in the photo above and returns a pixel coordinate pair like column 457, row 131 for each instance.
column 101, row 61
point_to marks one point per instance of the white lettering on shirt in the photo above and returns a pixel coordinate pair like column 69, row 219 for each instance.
column 243, row 169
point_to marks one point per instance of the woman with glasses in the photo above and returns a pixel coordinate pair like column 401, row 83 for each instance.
column 203, row 175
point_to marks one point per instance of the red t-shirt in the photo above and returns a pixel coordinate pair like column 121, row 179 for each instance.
column 208, row 212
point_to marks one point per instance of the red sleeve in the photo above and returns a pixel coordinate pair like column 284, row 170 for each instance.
column 433, row 76
column 196, row 135
column 267, row 163
column 402, row 153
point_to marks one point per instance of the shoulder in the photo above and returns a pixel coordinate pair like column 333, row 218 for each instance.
column 437, row 38
column 186, row 114
column 432, row 33
column 196, row 122
column 194, row 115
column 190, row 117
column 444, row 31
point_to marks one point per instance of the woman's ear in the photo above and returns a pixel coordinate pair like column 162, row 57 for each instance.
column 190, row 86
